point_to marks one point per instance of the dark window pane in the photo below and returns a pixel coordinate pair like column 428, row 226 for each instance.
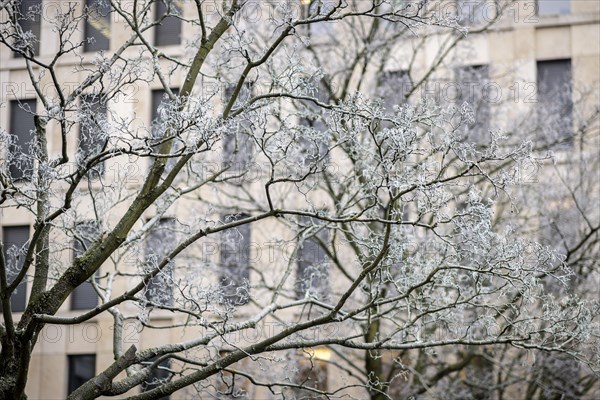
column 313, row 143
column 237, row 148
column 85, row 234
column 159, row 242
column 29, row 20
column 314, row 139
column 313, row 135
column 559, row 229
column 84, row 296
column 157, row 123
column 97, row 25
column 158, row 96
column 243, row 96
column 555, row 102
column 473, row 12
column 312, row 274
column 553, row 7
column 82, row 367
column 162, row 107
column 22, row 128
column 235, row 261
column 15, row 240
column 168, row 32
column 158, row 376
column 472, row 86
column 92, row 131
column 393, row 86
column 237, row 143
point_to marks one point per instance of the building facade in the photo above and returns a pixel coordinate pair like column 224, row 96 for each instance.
column 541, row 55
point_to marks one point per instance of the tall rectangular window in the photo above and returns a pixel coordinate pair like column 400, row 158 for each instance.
column 472, row 86
column 555, row 102
column 82, row 368
column 159, row 242
column 159, row 375
column 84, row 296
column 15, row 240
column 162, row 108
column 237, row 148
column 553, row 7
column 97, row 25
column 559, row 227
column 29, row 19
column 237, row 142
column 312, row 270
column 168, row 30
column 393, row 87
column 158, row 126
column 235, row 261
column 313, row 134
column 93, row 135
column 22, row 129
column 313, row 143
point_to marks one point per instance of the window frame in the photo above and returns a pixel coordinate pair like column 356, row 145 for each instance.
column 34, row 26
column 306, row 269
column 157, row 373
column 234, row 275
column 397, row 76
column 88, row 141
column 20, row 292
column 161, row 280
column 478, row 131
column 22, row 142
column 90, row 31
column 474, row 12
column 547, row 100
column 86, row 289
column 552, row 13
column 238, row 147
column 310, row 116
column 158, row 98
column 72, row 370
column 161, row 8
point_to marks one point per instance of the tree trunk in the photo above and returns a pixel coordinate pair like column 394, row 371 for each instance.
column 374, row 365
column 13, row 371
